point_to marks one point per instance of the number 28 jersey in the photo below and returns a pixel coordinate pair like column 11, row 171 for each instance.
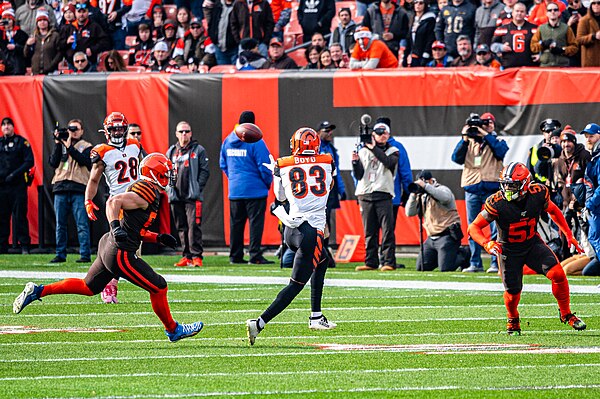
column 120, row 164
column 307, row 181
column 517, row 220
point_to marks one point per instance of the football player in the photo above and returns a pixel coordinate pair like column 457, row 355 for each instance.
column 116, row 249
column 118, row 160
column 516, row 209
column 304, row 179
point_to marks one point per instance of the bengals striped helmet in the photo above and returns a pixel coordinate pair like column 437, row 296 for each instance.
column 158, row 169
column 515, row 180
column 305, row 141
column 115, row 128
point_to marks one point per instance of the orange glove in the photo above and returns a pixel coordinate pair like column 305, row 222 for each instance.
column 574, row 243
column 493, row 248
column 90, row 207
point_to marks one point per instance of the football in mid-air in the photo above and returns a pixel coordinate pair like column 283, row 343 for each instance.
column 248, row 132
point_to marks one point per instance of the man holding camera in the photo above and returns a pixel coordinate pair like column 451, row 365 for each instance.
column 436, row 205
column 481, row 153
column 539, row 160
column 72, row 163
column 374, row 166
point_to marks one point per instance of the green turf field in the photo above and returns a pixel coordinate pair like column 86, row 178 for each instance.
column 434, row 337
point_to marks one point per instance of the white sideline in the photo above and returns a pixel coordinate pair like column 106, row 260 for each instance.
column 365, row 283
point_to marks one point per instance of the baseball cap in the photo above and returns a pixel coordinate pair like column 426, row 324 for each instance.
column 248, row 43
column 488, row 115
column 326, row 125
column 425, row 175
column 7, row 120
column 160, row 46
column 275, row 42
column 195, row 21
column 438, row 44
column 482, row 48
column 169, row 23
column 591, row 128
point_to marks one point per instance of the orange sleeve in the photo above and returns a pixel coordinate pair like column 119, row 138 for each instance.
column 150, row 236
column 475, row 230
column 559, row 219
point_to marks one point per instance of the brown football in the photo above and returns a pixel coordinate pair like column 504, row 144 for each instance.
column 248, row 132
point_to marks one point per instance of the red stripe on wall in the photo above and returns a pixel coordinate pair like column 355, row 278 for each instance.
column 22, row 101
column 258, row 93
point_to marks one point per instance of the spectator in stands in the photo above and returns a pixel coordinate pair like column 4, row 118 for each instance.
column 278, row 59
column 16, row 158
column 71, row 162
column 512, row 40
column 466, row 56
column 135, row 131
column 421, row 36
column 338, row 57
column 316, row 16
column 318, row 39
column 159, row 16
column 282, row 11
column 81, row 63
column 140, row 53
column 440, row 5
column 371, row 53
column 325, row 60
column 12, row 43
column 455, row 20
column 486, row 20
column 441, row 58
column 218, row 14
column 95, row 14
column 362, row 6
column 114, row 11
column 25, row 15
column 250, row 58
column 343, row 34
column 506, row 14
column 43, row 47
column 588, row 36
column 187, row 195
column 160, row 61
column 481, row 153
column 114, row 62
column 576, row 10
column 83, row 35
column 436, row 206
column 555, row 40
column 195, row 7
column 592, row 179
column 257, row 24
column 539, row 13
column 170, row 36
column 389, row 21
column 68, row 17
column 196, row 44
column 485, row 58
column 183, row 21
column 249, row 183
column 312, row 57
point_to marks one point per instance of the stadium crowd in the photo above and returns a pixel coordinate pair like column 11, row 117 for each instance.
column 82, row 36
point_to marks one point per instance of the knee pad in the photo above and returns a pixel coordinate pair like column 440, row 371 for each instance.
column 557, row 274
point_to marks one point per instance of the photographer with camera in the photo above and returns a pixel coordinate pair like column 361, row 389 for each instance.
column 481, row 152
column 72, row 163
column 374, row 166
column 436, row 207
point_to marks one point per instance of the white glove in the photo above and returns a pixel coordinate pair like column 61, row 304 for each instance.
column 271, row 165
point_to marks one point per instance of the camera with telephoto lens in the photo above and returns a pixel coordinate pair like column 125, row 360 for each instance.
column 365, row 131
column 414, row 188
column 548, row 151
column 474, row 122
column 62, row 133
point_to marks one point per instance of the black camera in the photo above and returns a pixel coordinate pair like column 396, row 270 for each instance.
column 3, row 22
column 548, row 151
column 414, row 188
column 365, row 130
column 474, row 122
column 62, row 133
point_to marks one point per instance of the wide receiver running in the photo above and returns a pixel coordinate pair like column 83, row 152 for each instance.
column 118, row 160
column 116, row 250
column 516, row 209
column 304, row 179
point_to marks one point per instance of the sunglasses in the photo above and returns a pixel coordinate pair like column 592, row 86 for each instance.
column 79, row 61
column 81, row 6
column 195, row 27
column 552, row 9
column 184, row 131
column 379, row 132
column 135, row 133
column 595, row 3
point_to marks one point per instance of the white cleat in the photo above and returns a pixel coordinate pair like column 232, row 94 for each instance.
column 320, row 323
column 252, row 330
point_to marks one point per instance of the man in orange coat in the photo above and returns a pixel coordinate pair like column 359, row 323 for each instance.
column 371, row 53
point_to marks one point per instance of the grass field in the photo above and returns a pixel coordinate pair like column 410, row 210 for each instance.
column 399, row 334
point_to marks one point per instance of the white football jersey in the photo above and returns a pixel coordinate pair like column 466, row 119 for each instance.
column 120, row 164
column 306, row 181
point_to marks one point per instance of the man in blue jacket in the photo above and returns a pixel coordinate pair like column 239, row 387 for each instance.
column 249, row 184
column 592, row 202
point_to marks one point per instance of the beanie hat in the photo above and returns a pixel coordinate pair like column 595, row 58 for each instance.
column 41, row 14
column 247, row 117
column 10, row 13
column 68, row 7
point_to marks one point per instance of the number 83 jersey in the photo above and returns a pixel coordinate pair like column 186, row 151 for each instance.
column 307, row 181
column 120, row 164
column 517, row 220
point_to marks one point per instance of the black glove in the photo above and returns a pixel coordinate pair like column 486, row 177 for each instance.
column 343, row 197
column 118, row 232
column 167, row 240
column 404, row 198
column 557, row 50
column 546, row 43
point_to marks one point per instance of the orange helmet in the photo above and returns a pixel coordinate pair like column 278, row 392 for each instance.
column 115, row 128
column 158, row 169
column 515, row 179
column 305, row 141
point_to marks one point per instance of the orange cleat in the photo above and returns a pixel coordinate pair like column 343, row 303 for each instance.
column 197, row 262
column 183, row 262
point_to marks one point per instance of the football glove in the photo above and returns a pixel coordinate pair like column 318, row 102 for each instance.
column 557, row 50
column 167, row 240
column 271, row 165
column 90, row 207
column 493, row 248
column 118, row 232
column 572, row 241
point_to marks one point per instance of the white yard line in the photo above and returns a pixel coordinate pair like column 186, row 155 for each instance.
column 365, row 283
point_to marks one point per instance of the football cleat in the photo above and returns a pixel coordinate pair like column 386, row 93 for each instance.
column 184, row 331
column 183, row 262
column 109, row 293
column 472, row 269
column 197, row 262
column 30, row 293
column 252, row 330
column 573, row 321
column 513, row 326
column 492, row 269
column 320, row 323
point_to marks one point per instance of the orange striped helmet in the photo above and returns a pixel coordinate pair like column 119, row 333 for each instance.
column 158, row 169
column 305, row 141
column 515, row 179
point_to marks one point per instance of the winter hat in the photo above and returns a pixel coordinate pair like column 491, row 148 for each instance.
column 247, row 117
column 68, row 7
column 41, row 14
column 10, row 13
column 160, row 46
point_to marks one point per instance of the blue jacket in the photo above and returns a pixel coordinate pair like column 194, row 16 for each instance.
column 592, row 202
column 339, row 189
column 243, row 164
column 403, row 176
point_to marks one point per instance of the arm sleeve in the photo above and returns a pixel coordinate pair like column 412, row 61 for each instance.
column 389, row 161
column 412, row 205
column 475, row 230
column 559, row 219
column 535, row 45
column 82, row 158
column 203, row 172
column 358, row 170
column 498, row 147
column 149, row 236
column 371, row 63
column 572, row 47
column 441, row 194
column 54, row 158
column 404, row 170
column 460, row 152
column 262, row 156
column 223, row 160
